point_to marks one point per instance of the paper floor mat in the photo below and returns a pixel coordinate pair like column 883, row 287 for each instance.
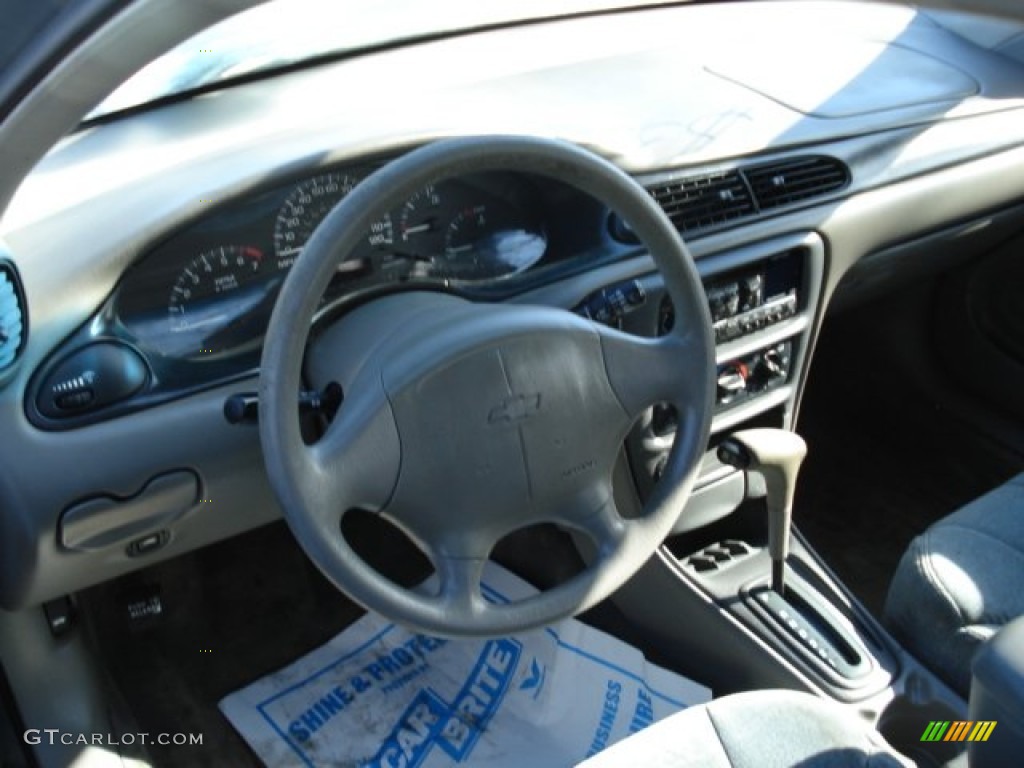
column 381, row 695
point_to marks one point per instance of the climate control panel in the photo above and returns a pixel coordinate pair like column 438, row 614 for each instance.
column 753, row 374
column 762, row 300
column 742, row 302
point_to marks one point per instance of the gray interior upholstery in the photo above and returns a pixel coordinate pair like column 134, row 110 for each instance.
column 960, row 582
column 759, row 728
column 997, row 695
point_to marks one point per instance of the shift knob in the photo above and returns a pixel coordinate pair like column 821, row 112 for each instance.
column 775, row 454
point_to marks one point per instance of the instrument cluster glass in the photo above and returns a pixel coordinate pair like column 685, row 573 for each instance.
column 207, row 292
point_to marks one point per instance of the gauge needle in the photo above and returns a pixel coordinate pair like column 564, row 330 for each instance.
column 201, row 323
column 350, row 266
column 418, row 229
column 411, row 256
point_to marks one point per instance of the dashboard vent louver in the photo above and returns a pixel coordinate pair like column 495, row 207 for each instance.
column 705, row 200
column 12, row 317
column 789, row 181
column 702, row 201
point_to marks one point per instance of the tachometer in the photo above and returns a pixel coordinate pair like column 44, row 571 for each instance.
column 218, row 301
column 308, row 205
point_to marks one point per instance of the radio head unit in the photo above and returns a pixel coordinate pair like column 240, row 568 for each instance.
column 746, row 300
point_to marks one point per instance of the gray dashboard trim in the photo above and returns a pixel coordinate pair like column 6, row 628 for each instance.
column 54, row 471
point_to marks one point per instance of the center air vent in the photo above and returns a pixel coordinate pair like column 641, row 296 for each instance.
column 12, row 317
column 799, row 178
column 706, row 200
column 701, row 201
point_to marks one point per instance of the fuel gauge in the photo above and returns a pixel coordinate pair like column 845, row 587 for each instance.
column 481, row 246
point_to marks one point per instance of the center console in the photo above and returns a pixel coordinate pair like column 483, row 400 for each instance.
column 762, row 300
column 712, row 593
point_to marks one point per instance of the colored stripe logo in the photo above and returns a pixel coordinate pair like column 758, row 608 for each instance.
column 958, row 730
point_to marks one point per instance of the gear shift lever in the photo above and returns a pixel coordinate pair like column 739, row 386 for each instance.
column 775, row 454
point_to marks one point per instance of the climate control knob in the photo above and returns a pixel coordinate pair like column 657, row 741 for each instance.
column 773, row 363
column 732, row 382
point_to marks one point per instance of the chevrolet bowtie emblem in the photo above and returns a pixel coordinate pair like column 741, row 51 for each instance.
column 514, row 409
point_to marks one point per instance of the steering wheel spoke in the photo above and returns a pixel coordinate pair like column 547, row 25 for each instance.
column 356, row 463
column 606, row 526
column 460, row 577
column 645, row 371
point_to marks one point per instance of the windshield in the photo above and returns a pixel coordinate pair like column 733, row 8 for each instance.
column 285, row 32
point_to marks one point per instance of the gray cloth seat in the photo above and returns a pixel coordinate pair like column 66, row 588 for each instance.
column 959, row 582
column 760, row 729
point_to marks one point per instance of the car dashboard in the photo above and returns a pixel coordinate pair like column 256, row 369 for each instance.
column 149, row 248
column 192, row 311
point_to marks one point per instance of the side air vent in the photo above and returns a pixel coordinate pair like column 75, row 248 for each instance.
column 12, row 317
column 800, row 178
column 702, row 201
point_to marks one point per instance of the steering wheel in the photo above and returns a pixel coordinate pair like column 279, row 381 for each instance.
column 463, row 422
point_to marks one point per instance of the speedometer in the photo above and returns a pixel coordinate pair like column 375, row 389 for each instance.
column 307, row 205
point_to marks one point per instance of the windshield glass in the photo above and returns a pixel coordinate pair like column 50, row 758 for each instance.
column 285, row 32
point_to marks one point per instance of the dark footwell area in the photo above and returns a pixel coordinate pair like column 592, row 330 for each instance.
column 229, row 614
column 886, row 457
column 235, row 611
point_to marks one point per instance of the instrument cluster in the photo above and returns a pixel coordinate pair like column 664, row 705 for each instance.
column 207, row 292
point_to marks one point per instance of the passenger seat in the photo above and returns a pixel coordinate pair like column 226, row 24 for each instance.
column 959, row 582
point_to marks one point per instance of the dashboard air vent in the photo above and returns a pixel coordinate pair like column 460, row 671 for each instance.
column 705, row 200
column 12, row 317
column 799, row 178
column 702, row 201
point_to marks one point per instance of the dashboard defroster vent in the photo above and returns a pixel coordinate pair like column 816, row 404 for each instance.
column 12, row 316
column 789, row 181
column 702, row 201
